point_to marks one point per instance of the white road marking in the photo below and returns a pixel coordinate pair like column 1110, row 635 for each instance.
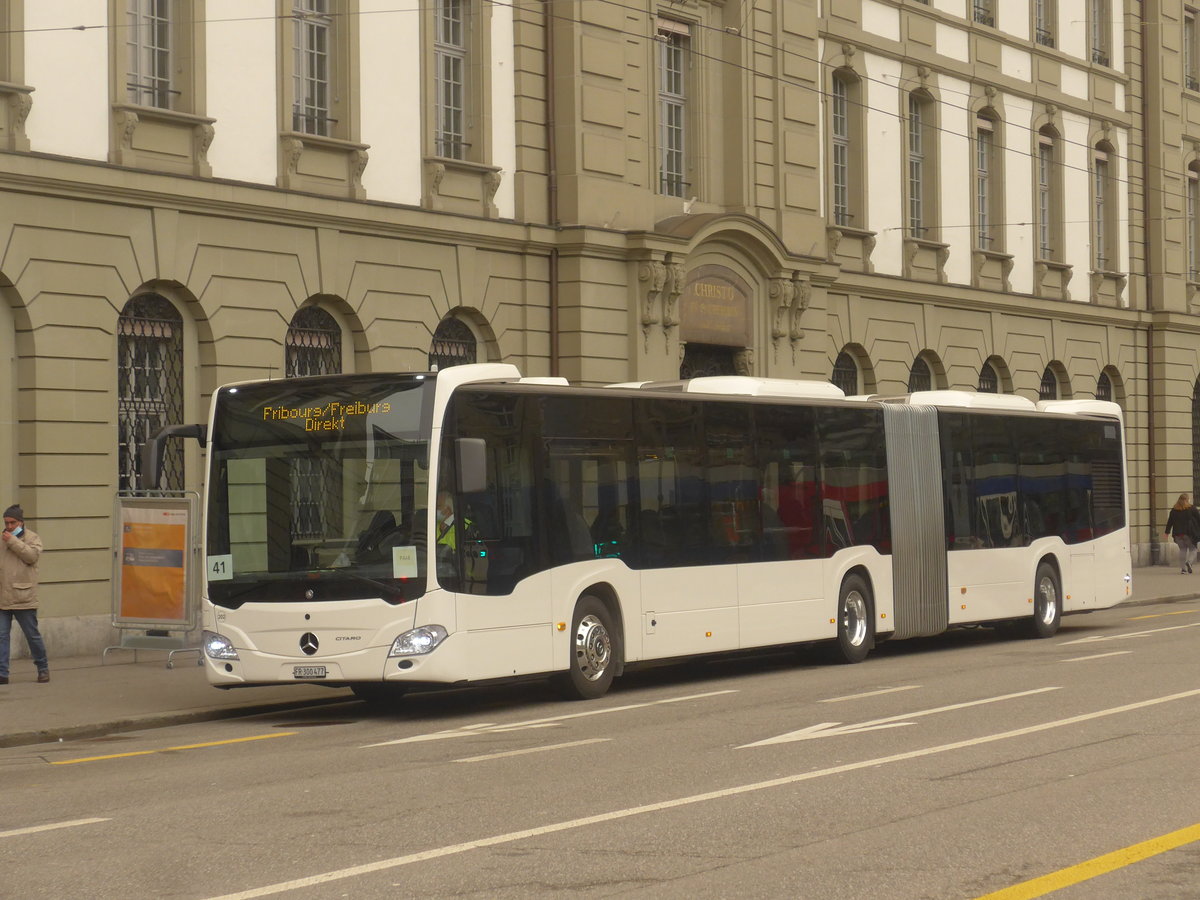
column 51, row 827
column 571, row 824
column 469, row 730
column 1097, row 656
column 532, row 750
column 892, row 690
column 1091, row 639
column 836, row 729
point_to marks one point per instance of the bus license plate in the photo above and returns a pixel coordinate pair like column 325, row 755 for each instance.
column 308, row 671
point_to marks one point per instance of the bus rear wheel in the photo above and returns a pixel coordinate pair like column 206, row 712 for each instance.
column 856, row 621
column 593, row 652
column 1047, row 603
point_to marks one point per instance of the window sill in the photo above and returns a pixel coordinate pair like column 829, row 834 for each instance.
column 850, row 247
column 1108, row 288
column 1051, row 278
column 321, row 164
column 460, row 186
column 990, row 269
column 147, row 137
column 15, row 104
column 925, row 260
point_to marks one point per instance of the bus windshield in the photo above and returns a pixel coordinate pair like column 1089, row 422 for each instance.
column 318, row 490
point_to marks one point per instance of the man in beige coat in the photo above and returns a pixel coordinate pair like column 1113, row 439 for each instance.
column 18, row 591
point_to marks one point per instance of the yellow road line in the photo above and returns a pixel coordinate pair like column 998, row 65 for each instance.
column 257, row 737
column 1178, row 612
column 1101, row 865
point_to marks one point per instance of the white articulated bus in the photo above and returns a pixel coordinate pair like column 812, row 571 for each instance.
column 390, row 531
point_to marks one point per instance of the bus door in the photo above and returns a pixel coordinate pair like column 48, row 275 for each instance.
column 687, row 531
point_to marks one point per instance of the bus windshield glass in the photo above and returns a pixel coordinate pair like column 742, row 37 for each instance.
column 319, row 490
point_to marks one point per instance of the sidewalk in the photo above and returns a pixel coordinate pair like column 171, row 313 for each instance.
column 88, row 698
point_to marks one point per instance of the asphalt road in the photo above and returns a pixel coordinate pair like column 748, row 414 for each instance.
column 944, row 768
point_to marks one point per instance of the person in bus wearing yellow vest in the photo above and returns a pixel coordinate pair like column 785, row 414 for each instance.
column 448, row 531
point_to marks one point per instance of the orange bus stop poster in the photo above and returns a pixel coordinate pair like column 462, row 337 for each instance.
column 153, row 541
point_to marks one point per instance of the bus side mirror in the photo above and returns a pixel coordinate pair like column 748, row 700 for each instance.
column 152, row 451
column 472, row 464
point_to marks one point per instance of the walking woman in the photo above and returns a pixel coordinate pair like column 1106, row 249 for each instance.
column 1184, row 525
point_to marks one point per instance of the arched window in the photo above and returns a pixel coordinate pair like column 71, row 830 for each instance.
column 919, row 376
column 989, row 182
column 453, row 344
column 313, row 345
column 149, row 387
column 1049, row 196
column 922, row 166
column 1048, row 390
column 845, row 374
column 1104, row 388
column 1104, row 208
column 846, row 150
column 989, row 382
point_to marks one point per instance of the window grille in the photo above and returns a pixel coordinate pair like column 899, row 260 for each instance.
column 313, row 344
column 312, row 66
column 703, row 360
column 845, row 374
column 148, row 44
column 919, row 376
column 149, row 387
column 450, row 58
column 673, row 40
column 989, row 382
column 313, row 347
column 1104, row 389
column 1048, row 389
column 453, row 345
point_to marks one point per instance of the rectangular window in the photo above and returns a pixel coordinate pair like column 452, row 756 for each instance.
column 1045, row 170
column 984, row 166
column 983, row 13
column 1101, row 28
column 673, row 45
column 916, row 169
column 148, row 42
column 840, row 102
column 1193, row 227
column 450, row 54
column 1044, row 24
column 312, row 68
column 1191, row 58
column 1100, row 209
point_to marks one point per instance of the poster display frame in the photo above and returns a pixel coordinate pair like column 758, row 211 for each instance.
column 155, row 531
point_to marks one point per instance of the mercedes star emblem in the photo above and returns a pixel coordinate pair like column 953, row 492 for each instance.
column 309, row 643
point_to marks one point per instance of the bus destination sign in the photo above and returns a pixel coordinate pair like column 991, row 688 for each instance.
column 330, row 417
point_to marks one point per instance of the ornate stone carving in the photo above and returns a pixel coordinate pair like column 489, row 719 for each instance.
column 19, row 105
column 434, row 173
column 800, row 300
column 781, row 292
column 202, row 138
column 674, row 289
column 293, row 149
column 127, row 121
column 491, row 184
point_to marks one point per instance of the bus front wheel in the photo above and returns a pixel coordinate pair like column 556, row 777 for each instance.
column 593, row 651
column 856, row 622
column 1047, row 603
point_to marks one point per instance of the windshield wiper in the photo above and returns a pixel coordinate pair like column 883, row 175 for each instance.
column 354, row 576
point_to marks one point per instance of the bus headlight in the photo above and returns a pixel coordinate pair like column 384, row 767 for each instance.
column 217, row 647
column 418, row 641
